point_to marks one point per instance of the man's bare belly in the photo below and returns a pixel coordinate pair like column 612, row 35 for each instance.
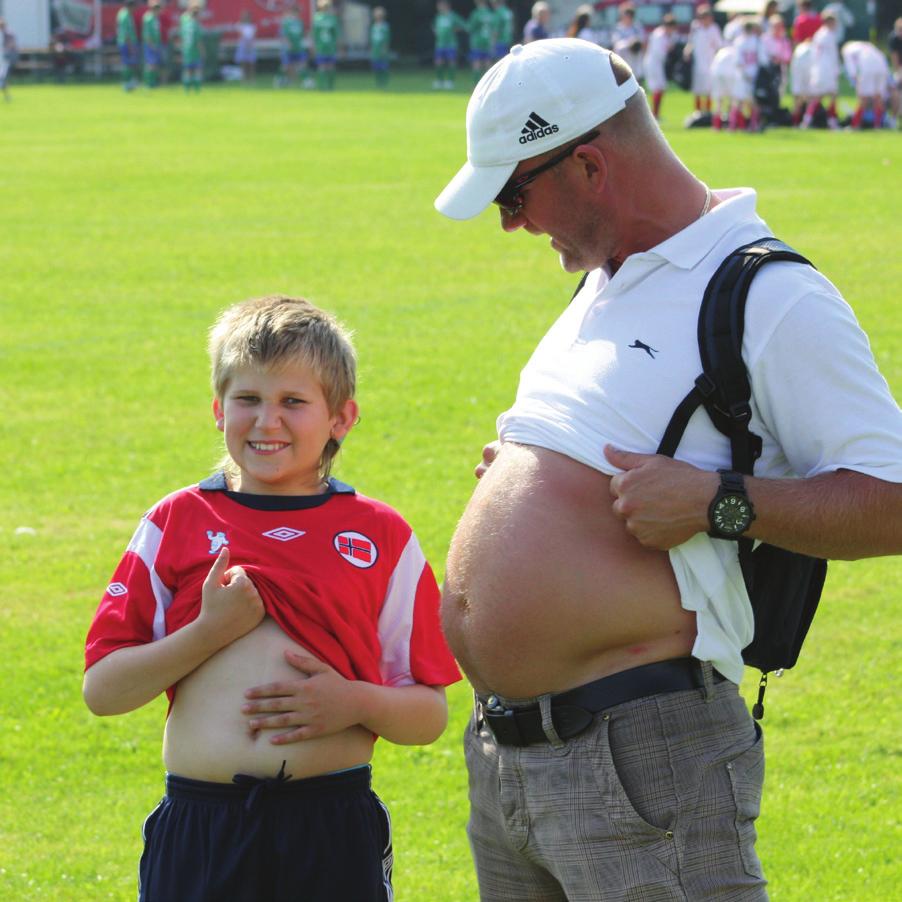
column 546, row 590
column 207, row 736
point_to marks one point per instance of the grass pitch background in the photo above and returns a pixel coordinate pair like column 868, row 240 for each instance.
column 130, row 221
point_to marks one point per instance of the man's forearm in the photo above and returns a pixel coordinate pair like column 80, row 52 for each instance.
column 842, row 515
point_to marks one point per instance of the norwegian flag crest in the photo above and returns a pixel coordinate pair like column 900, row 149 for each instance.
column 356, row 549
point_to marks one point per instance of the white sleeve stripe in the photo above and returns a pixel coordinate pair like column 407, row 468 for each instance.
column 145, row 543
column 396, row 617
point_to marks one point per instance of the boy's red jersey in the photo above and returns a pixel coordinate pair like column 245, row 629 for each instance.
column 343, row 575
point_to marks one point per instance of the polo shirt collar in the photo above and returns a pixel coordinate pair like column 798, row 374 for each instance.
column 690, row 246
column 686, row 249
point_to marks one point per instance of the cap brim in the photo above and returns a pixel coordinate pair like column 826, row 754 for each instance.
column 472, row 190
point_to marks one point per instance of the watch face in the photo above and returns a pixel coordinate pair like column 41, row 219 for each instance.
column 732, row 515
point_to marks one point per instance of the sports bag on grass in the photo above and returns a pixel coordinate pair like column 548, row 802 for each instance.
column 784, row 587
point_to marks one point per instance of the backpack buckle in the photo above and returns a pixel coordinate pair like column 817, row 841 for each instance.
column 705, row 385
column 740, row 412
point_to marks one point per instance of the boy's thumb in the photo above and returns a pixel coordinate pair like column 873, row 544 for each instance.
column 220, row 565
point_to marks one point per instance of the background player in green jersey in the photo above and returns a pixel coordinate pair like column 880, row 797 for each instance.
column 380, row 45
column 294, row 54
column 446, row 25
column 481, row 28
column 127, row 42
column 504, row 28
column 190, row 32
column 152, row 41
column 325, row 29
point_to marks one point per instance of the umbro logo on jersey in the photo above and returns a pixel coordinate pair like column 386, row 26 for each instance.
column 284, row 533
column 642, row 346
column 217, row 540
column 536, row 127
column 356, row 549
column 116, row 589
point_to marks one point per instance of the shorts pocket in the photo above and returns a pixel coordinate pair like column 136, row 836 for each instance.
column 747, row 780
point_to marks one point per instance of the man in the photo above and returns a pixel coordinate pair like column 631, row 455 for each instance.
column 610, row 754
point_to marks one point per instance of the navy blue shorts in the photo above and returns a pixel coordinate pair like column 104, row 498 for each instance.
column 268, row 840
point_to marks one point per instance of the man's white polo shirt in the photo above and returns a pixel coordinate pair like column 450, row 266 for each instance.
column 619, row 359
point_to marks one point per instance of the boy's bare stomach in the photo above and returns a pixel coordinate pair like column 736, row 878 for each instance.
column 207, row 736
column 544, row 587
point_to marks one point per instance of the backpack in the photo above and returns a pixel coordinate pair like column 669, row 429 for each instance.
column 784, row 587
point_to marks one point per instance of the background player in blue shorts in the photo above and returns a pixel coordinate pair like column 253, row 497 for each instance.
column 380, row 46
column 127, row 42
column 294, row 54
column 289, row 620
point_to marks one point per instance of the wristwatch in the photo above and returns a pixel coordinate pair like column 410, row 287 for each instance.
column 730, row 513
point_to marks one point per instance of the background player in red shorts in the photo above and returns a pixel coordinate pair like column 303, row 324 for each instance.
column 271, row 574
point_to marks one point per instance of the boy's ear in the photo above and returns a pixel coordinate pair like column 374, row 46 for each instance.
column 344, row 420
column 218, row 415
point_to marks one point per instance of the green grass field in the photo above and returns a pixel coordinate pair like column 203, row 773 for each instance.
column 131, row 220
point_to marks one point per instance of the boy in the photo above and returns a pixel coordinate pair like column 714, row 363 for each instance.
column 445, row 27
column 380, row 46
column 152, row 39
column 750, row 57
column 480, row 28
column 869, row 72
column 704, row 41
column 318, row 597
column 504, row 28
column 324, row 29
column 127, row 42
column 659, row 44
column 294, row 54
column 190, row 32
column 824, row 86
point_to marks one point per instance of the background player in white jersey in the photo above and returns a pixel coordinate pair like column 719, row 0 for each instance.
column 290, row 621
column 704, row 41
column 824, row 84
column 7, row 56
column 246, row 49
column 750, row 57
column 659, row 43
column 800, row 79
column 869, row 72
column 724, row 69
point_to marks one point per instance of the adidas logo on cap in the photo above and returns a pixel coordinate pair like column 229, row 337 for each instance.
column 536, row 127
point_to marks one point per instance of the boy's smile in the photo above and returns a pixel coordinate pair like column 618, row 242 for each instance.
column 277, row 423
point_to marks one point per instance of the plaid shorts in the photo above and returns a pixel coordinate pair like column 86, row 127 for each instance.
column 655, row 801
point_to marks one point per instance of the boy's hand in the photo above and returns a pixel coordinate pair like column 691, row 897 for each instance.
column 317, row 704
column 231, row 605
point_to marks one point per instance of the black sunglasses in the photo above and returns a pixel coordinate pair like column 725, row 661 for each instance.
column 510, row 198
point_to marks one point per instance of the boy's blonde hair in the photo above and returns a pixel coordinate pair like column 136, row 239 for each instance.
column 276, row 330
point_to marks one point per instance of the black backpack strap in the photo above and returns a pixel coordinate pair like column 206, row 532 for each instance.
column 723, row 387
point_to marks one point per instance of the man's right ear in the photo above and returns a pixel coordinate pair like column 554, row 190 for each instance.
column 218, row 415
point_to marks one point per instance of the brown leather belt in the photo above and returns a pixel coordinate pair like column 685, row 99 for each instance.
column 572, row 711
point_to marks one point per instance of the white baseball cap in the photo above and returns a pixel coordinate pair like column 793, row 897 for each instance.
column 538, row 97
